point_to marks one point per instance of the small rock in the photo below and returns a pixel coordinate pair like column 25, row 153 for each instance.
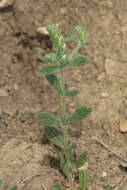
column 101, row 77
column 43, row 31
column 6, row 3
column 111, row 67
column 104, row 174
column 3, row 93
column 104, row 95
column 83, row 133
column 123, row 125
column 123, row 164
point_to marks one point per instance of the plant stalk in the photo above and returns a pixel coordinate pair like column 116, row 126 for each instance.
column 63, row 109
column 63, row 101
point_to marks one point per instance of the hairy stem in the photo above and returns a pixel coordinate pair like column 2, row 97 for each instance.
column 63, row 109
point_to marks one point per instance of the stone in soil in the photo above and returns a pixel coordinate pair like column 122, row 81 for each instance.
column 123, row 125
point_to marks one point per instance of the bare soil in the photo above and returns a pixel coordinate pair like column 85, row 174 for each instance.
column 103, row 85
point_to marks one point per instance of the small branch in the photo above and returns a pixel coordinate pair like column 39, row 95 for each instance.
column 22, row 181
column 29, row 178
column 113, row 152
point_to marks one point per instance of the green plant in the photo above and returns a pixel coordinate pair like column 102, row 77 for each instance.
column 56, row 128
column 110, row 188
column 83, row 180
column 10, row 188
column 58, row 186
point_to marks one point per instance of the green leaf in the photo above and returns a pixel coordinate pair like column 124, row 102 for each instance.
column 47, row 118
column 79, row 114
column 110, row 188
column 58, row 186
column 13, row 188
column 82, row 34
column 83, row 158
column 80, row 60
column 72, row 93
column 55, row 135
column 1, row 183
column 51, row 58
column 84, row 179
column 52, row 79
column 48, row 69
column 70, row 37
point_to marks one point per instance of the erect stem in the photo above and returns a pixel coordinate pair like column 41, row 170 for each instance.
column 63, row 101
column 63, row 109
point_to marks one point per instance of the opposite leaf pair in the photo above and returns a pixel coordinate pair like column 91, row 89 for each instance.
column 61, row 63
column 52, row 124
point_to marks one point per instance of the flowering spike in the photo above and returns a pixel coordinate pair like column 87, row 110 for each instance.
column 58, row 40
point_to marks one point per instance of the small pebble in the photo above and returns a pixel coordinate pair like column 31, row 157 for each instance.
column 104, row 95
column 123, row 164
column 123, row 125
column 104, row 174
column 43, row 31
column 83, row 132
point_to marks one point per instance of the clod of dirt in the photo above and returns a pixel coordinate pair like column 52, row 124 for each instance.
column 123, row 126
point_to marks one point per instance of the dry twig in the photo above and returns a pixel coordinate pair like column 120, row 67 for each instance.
column 107, row 148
